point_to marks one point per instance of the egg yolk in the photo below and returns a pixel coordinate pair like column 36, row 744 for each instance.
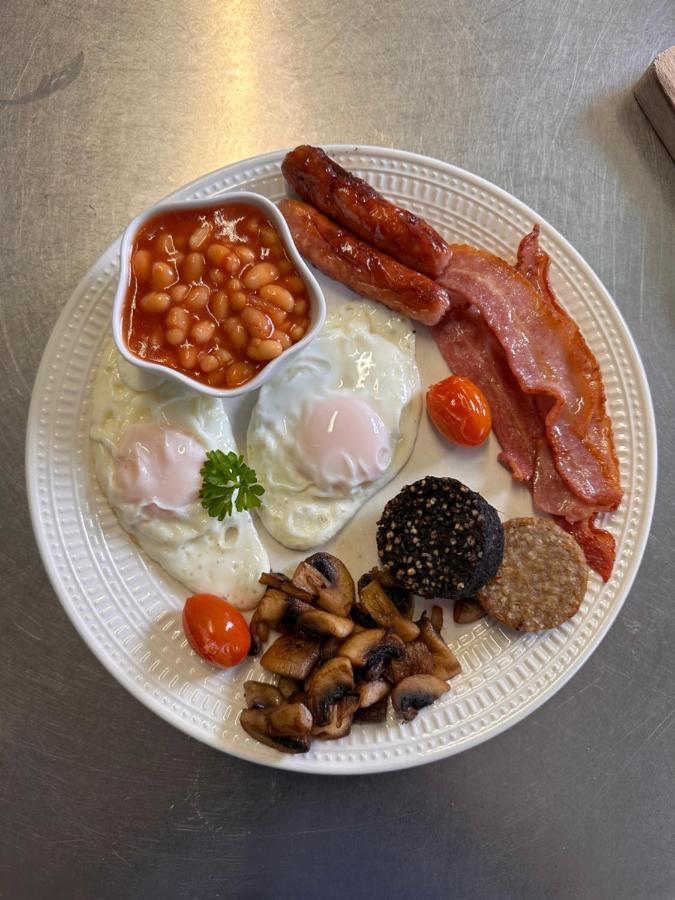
column 158, row 468
column 343, row 444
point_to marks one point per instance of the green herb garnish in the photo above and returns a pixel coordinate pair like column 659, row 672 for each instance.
column 226, row 477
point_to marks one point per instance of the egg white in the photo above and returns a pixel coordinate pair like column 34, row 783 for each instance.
column 205, row 555
column 362, row 349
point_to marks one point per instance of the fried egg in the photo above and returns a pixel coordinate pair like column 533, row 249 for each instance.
column 150, row 438
column 335, row 424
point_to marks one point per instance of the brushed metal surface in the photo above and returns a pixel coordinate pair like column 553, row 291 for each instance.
column 106, row 107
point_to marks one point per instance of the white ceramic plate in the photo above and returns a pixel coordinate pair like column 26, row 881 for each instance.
column 128, row 612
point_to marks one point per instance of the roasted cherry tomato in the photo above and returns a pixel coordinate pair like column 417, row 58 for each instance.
column 460, row 411
column 216, row 630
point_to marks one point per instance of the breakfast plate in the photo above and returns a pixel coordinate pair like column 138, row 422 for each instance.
column 129, row 611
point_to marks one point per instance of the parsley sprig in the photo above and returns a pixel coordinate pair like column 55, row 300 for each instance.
column 226, row 477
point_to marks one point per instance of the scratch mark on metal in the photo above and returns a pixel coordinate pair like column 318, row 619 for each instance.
column 57, row 81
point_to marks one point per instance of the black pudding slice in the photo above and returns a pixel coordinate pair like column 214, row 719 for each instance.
column 438, row 538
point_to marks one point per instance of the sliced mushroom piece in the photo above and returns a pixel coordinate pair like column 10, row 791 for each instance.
column 437, row 618
column 262, row 696
column 373, row 600
column 416, row 661
column 446, row 664
column 291, row 656
column 282, row 582
column 467, row 611
column 331, row 685
column 255, row 723
column 416, row 692
column 402, row 598
column 371, row 692
column 260, row 631
column 373, row 714
column 319, row 623
column 328, row 577
column 281, row 611
column 371, row 650
column 330, row 648
column 290, row 720
column 340, row 723
column 288, row 686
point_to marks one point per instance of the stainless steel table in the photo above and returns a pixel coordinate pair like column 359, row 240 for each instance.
column 105, row 107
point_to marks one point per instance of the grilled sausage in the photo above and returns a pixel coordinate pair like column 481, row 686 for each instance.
column 354, row 204
column 342, row 256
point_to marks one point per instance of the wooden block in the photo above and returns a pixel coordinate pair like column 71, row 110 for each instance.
column 655, row 92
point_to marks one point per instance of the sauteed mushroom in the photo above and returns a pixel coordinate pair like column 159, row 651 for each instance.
column 328, row 577
column 374, row 600
column 338, row 658
column 371, row 650
column 446, row 664
column 417, row 660
column 371, row 692
column 291, row 656
column 467, row 611
column 256, row 723
column 331, row 686
column 318, row 623
column 259, row 695
column 437, row 618
column 377, row 712
column 416, row 692
column 401, row 597
column 283, row 583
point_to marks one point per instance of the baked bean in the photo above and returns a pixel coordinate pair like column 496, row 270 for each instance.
column 163, row 275
column 193, row 267
column 217, row 254
column 141, row 263
column 251, row 225
column 236, row 332
column 278, row 295
column 208, row 363
column 283, row 338
column 222, row 355
column 238, row 301
column 164, row 244
column 203, row 331
column 199, row 236
column 187, row 357
column 232, row 264
column 263, row 351
column 175, row 336
column 155, row 302
column 219, row 305
column 295, row 284
column 268, row 236
column 178, row 292
column 177, row 317
column 197, row 297
column 296, row 332
column 278, row 316
column 216, row 379
column 238, row 373
column 216, row 308
column 260, row 275
column 256, row 323
column 245, row 254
